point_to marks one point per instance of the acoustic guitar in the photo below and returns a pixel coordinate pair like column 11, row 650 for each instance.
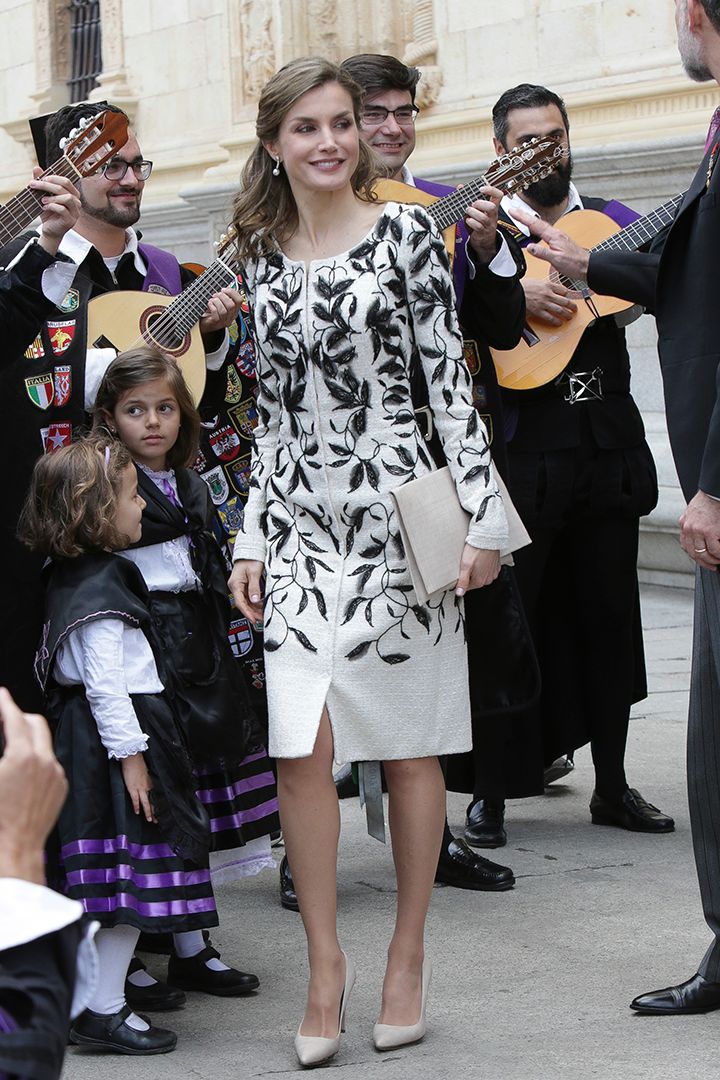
column 93, row 142
column 545, row 350
column 516, row 170
column 124, row 319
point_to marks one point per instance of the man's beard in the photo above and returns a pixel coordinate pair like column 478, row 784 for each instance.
column 119, row 216
column 689, row 53
column 553, row 189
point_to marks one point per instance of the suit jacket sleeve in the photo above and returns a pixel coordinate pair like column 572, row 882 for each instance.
column 36, row 991
column 627, row 275
column 23, row 306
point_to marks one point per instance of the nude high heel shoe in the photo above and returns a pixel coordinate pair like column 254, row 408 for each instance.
column 390, row 1036
column 314, row 1049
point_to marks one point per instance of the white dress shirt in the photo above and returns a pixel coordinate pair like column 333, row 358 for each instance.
column 111, row 660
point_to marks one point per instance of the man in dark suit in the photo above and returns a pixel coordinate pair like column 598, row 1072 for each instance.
column 581, row 476
column 679, row 283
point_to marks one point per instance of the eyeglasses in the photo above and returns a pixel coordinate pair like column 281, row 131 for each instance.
column 375, row 115
column 116, row 169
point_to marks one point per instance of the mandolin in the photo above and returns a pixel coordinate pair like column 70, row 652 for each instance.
column 124, row 319
column 545, row 350
column 93, row 142
column 517, row 169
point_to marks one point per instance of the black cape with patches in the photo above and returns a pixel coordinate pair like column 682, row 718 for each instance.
column 218, row 716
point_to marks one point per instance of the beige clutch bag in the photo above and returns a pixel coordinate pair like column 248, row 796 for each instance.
column 434, row 527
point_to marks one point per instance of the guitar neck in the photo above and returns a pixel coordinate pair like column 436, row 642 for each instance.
column 187, row 308
column 24, row 207
column 451, row 208
column 646, row 228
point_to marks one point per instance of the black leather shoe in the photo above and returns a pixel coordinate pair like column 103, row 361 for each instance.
column 157, row 997
column 485, row 821
column 288, row 898
column 630, row 812
column 697, row 995
column 558, row 770
column 461, row 867
column 112, row 1033
column 192, row 973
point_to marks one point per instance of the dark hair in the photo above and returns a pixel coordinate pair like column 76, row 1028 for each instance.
column 712, row 10
column 264, row 210
column 70, row 507
column 524, row 96
column 137, row 366
column 377, row 72
column 61, row 123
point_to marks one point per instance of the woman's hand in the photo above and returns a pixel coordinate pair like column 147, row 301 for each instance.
column 478, row 567
column 246, row 586
column 138, row 783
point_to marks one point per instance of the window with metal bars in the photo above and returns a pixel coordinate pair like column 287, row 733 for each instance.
column 86, row 62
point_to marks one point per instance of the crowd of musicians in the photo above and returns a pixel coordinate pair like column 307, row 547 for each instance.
column 205, row 584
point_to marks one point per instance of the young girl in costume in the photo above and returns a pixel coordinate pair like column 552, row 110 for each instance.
column 143, row 400
column 133, row 837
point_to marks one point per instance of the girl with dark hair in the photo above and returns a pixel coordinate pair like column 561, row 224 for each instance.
column 144, row 401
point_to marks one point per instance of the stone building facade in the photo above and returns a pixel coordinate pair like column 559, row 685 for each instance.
column 189, row 73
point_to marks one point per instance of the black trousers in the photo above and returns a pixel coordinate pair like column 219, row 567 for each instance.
column 578, row 582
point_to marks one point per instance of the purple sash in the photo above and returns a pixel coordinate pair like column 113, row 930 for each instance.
column 163, row 270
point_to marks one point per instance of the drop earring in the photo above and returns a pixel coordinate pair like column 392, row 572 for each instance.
column 276, row 170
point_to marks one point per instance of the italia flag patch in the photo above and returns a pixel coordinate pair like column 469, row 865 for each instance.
column 41, row 389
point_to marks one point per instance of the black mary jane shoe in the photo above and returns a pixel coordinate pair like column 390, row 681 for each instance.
column 157, row 997
column 631, row 812
column 485, row 824
column 114, row 1034
column 697, row 995
column 192, row 973
column 288, row 896
column 462, row 868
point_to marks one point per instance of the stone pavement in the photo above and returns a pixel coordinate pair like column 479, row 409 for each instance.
column 531, row 984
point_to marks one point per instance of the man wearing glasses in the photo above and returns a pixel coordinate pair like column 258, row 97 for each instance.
column 47, row 389
column 491, row 310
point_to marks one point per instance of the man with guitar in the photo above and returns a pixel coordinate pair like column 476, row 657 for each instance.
column 46, row 390
column 486, row 273
column 582, row 475
column 678, row 282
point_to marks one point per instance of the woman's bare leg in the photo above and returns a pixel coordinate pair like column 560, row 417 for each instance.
column 417, row 819
column 310, row 819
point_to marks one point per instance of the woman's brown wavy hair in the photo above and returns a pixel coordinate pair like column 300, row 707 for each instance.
column 264, row 210
column 70, row 508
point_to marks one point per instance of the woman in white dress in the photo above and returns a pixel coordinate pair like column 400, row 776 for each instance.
column 345, row 292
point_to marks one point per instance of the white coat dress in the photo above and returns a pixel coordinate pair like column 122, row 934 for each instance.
column 337, row 433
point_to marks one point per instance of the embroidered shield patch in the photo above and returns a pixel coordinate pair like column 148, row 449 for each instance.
column 219, row 488
column 240, row 637
column 41, row 389
column 233, row 391
column 63, row 384
column 56, row 436
column 70, row 301
column 238, row 473
column 225, row 443
column 61, row 335
column 231, row 515
column 244, row 417
column 35, row 351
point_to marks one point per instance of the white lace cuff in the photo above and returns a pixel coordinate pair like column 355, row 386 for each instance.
column 125, row 750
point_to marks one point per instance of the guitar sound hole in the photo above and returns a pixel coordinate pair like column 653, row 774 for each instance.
column 159, row 328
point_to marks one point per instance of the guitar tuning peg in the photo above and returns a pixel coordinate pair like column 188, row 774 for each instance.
column 84, row 122
column 63, row 142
